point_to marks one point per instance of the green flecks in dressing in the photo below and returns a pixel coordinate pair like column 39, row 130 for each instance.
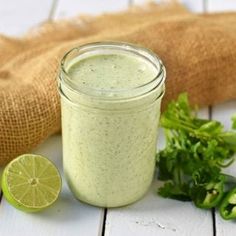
column 112, row 71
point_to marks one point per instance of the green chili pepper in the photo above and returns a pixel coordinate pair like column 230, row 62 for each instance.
column 228, row 205
column 209, row 195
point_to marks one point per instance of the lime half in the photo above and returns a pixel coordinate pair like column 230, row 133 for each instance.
column 31, row 183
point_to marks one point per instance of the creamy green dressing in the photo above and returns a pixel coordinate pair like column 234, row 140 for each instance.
column 109, row 153
column 112, row 71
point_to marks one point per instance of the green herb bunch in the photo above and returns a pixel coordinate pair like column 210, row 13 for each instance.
column 196, row 152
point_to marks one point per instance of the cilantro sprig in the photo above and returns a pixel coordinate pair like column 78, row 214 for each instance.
column 196, row 152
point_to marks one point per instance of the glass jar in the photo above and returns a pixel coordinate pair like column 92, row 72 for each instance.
column 109, row 135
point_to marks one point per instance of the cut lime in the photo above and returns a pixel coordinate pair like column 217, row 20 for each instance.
column 31, row 183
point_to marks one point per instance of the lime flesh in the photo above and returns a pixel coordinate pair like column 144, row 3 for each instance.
column 31, row 183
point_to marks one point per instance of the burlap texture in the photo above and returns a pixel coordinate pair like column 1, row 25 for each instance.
column 199, row 52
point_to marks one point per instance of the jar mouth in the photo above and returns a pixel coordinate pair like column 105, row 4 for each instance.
column 113, row 94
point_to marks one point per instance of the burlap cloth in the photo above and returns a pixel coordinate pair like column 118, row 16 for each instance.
column 199, row 52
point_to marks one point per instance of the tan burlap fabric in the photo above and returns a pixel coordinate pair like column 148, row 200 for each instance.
column 199, row 52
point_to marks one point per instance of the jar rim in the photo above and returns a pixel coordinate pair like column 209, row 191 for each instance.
column 140, row 51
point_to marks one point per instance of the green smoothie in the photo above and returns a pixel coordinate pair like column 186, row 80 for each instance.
column 109, row 123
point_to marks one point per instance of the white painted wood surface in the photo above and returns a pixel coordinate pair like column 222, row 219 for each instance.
column 223, row 113
column 193, row 5
column 154, row 215
column 16, row 17
column 221, row 5
column 67, row 8
column 150, row 216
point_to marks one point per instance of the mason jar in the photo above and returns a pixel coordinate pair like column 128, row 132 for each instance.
column 111, row 95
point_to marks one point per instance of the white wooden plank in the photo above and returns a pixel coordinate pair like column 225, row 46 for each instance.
column 204, row 113
column 154, row 215
column 157, row 216
column 224, row 113
column 66, row 217
column 67, row 8
column 16, row 17
column 192, row 5
column 140, row 2
column 221, row 5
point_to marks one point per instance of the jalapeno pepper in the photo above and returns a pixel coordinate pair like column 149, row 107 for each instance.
column 209, row 195
column 228, row 205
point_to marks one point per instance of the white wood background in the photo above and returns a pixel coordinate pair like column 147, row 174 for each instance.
column 148, row 217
